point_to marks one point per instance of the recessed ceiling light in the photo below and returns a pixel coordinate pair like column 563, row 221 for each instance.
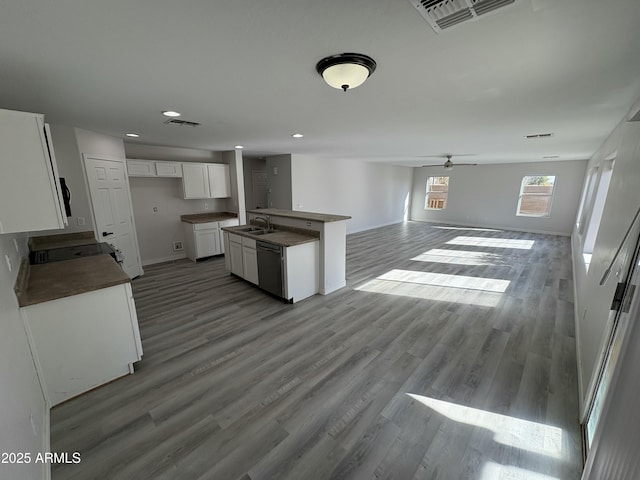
column 297, row 135
column 132, row 135
column 239, row 147
column 171, row 113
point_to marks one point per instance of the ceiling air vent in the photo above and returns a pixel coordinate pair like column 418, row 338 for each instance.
column 181, row 123
column 441, row 14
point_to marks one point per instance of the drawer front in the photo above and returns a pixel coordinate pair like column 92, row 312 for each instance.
column 248, row 242
column 205, row 226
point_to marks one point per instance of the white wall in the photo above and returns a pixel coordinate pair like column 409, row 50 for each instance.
column 592, row 300
column 21, row 401
column 157, row 231
column 487, row 196
column 68, row 158
column 372, row 194
column 279, row 178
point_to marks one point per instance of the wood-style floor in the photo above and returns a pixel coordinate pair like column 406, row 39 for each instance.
column 449, row 355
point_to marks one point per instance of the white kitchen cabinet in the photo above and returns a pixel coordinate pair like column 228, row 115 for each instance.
column 141, row 168
column 83, row 341
column 226, row 223
column 225, row 248
column 169, row 169
column 195, row 180
column 301, row 271
column 202, row 239
column 235, row 255
column 206, row 180
column 219, row 182
column 249, row 260
column 137, row 167
column 30, row 194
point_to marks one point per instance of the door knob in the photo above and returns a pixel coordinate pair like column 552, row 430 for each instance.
column 104, row 234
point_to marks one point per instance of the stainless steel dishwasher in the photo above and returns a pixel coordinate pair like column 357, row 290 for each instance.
column 270, row 270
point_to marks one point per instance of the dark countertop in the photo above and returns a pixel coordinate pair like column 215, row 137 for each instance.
column 51, row 281
column 283, row 237
column 208, row 217
column 317, row 217
column 46, row 242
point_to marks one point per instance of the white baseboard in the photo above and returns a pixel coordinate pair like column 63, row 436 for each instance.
column 152, row 261
column 496, row 227
column 372, row 227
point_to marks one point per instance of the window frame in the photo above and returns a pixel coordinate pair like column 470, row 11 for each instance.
column 428, row 191
column 521, row 194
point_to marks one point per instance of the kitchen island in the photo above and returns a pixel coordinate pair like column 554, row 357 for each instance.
column 332, row 234
column 283, row 261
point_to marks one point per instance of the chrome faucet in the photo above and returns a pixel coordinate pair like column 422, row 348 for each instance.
column 265, row 219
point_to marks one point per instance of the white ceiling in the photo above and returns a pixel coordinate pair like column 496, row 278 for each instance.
column 246, row 71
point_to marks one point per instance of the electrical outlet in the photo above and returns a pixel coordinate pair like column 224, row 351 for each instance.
column 155, row 209
column 206, row 206
column 80, row 221
column 177, row 246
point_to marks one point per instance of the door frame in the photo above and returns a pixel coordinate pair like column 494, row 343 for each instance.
column 85, row 158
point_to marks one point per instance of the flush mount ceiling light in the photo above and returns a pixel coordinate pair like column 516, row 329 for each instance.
column 297, row 135
column 239, row 147
column 346, row 70
column 171, row 113
column 132, row 135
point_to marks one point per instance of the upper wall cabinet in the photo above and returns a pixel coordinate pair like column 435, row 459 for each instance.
column 30, row 193
column 151, row 168
column 206, row 180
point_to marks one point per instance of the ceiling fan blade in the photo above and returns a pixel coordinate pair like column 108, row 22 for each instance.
column 462, row 164
column 436, row 165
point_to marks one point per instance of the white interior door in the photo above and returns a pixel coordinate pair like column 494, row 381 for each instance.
column 109, row 191
column 260, row 185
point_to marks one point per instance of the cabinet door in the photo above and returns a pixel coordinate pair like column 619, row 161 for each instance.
column 169, row 169
column 30, row 197
column 207, row 242
column 235, row 254
column 195, row 180
column 250, row 259
column 141, row 168
column 219, row 180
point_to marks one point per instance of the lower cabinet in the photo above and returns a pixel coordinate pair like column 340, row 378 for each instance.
column 235, row 255
column 205, row 239
column 249, row 260
column 83, row 341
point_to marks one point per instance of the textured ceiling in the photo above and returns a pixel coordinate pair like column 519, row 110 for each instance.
column 246, row 72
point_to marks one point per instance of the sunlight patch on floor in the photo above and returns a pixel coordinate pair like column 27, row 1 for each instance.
column 457, row 257
column 429, row 292
column 446, row 280
column 495, row 471
column 510, row 431
column 493, row 242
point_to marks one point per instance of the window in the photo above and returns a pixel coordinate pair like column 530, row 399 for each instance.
column 437, row 190
column 536, row 193
column 593, row 218
column 587, row 201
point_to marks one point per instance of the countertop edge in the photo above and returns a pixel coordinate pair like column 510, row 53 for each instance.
column 312, row 216
column 264, row 238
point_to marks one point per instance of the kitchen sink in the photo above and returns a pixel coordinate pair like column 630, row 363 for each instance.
column 250, row 229
column 262, row 232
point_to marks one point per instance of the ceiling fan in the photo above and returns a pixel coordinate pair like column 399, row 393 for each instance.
column 448, row 164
